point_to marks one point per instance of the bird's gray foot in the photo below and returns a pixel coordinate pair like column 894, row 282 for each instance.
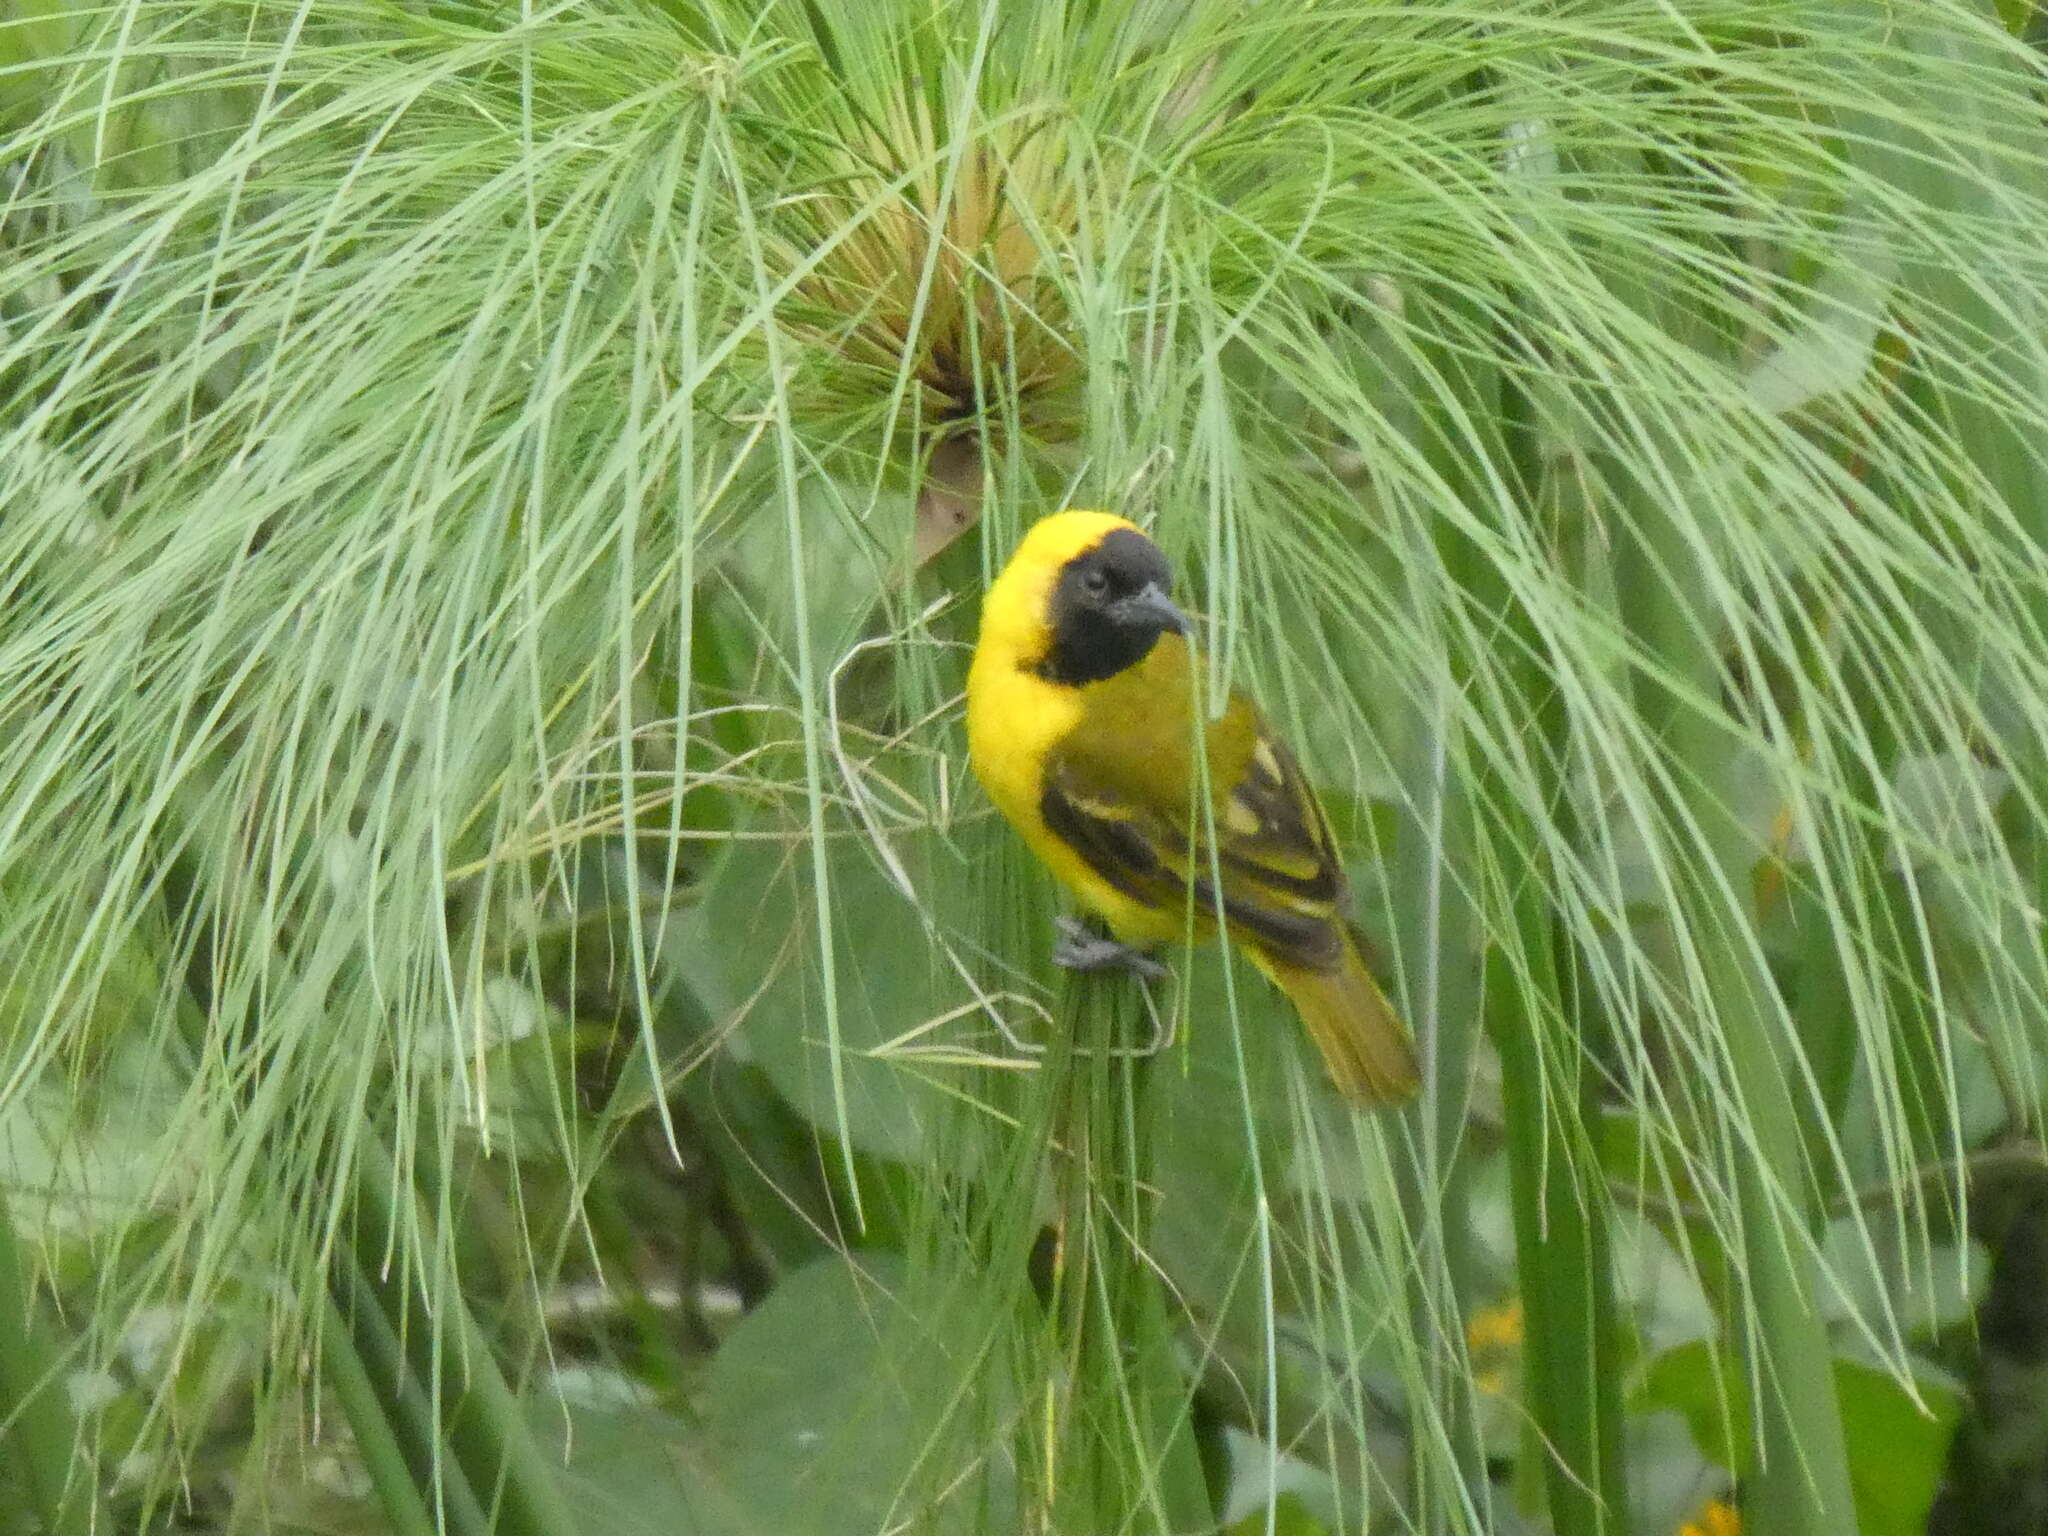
column 1080, row 948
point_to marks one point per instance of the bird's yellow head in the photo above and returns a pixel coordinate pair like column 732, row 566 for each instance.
column 1085, row 596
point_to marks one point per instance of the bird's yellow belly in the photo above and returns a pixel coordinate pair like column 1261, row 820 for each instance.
column 1131, row 921
column 1011, row 734
column 1011, row 731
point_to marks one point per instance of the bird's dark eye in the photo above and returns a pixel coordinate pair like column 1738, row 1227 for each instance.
column 1095, row 582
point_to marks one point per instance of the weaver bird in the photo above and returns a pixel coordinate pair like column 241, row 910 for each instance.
column 1081, row 725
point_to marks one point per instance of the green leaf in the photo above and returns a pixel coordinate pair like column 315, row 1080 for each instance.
column 1289, row 1517
column 822, row 1402
column 1898, row 1445
column 640, row 1472
column 1699, row 1382
column 1897, row 1438
column 746, row 948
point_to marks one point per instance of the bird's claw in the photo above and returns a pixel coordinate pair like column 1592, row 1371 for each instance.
column 1079, row 948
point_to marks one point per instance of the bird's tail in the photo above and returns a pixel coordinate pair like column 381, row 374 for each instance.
column 1367, row 1048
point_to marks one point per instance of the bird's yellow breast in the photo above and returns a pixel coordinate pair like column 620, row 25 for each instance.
column 1015, row 722
column 1136, row 728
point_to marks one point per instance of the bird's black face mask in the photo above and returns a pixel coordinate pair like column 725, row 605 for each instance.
column 1109, row 609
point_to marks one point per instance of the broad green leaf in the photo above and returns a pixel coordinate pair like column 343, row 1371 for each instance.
column 821, row 1404
column 891, row 982
column 1897, row 1439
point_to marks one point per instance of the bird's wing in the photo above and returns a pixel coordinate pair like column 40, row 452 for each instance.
column 1283, row 887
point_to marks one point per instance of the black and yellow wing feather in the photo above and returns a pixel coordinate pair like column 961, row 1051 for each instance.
column 1282, row 890
column 1282, row 886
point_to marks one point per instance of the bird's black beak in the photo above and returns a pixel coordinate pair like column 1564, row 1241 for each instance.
column 1150, row 608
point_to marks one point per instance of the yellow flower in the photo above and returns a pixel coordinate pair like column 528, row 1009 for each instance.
column 1493, row 1335
column 1495, row 1327
column 1718, row 1518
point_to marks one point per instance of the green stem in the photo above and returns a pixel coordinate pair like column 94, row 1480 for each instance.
column 372, row 1399
column 1563, row 1253
column 1572, row 1349
column 50, row 1456
column 1480, row 416
column 1126, row 1457
column 1441, row 941
column 479, row 1417
column 422, row 1379
column 1801, row 1480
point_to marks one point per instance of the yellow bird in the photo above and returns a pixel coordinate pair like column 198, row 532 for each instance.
column 1081, row 725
